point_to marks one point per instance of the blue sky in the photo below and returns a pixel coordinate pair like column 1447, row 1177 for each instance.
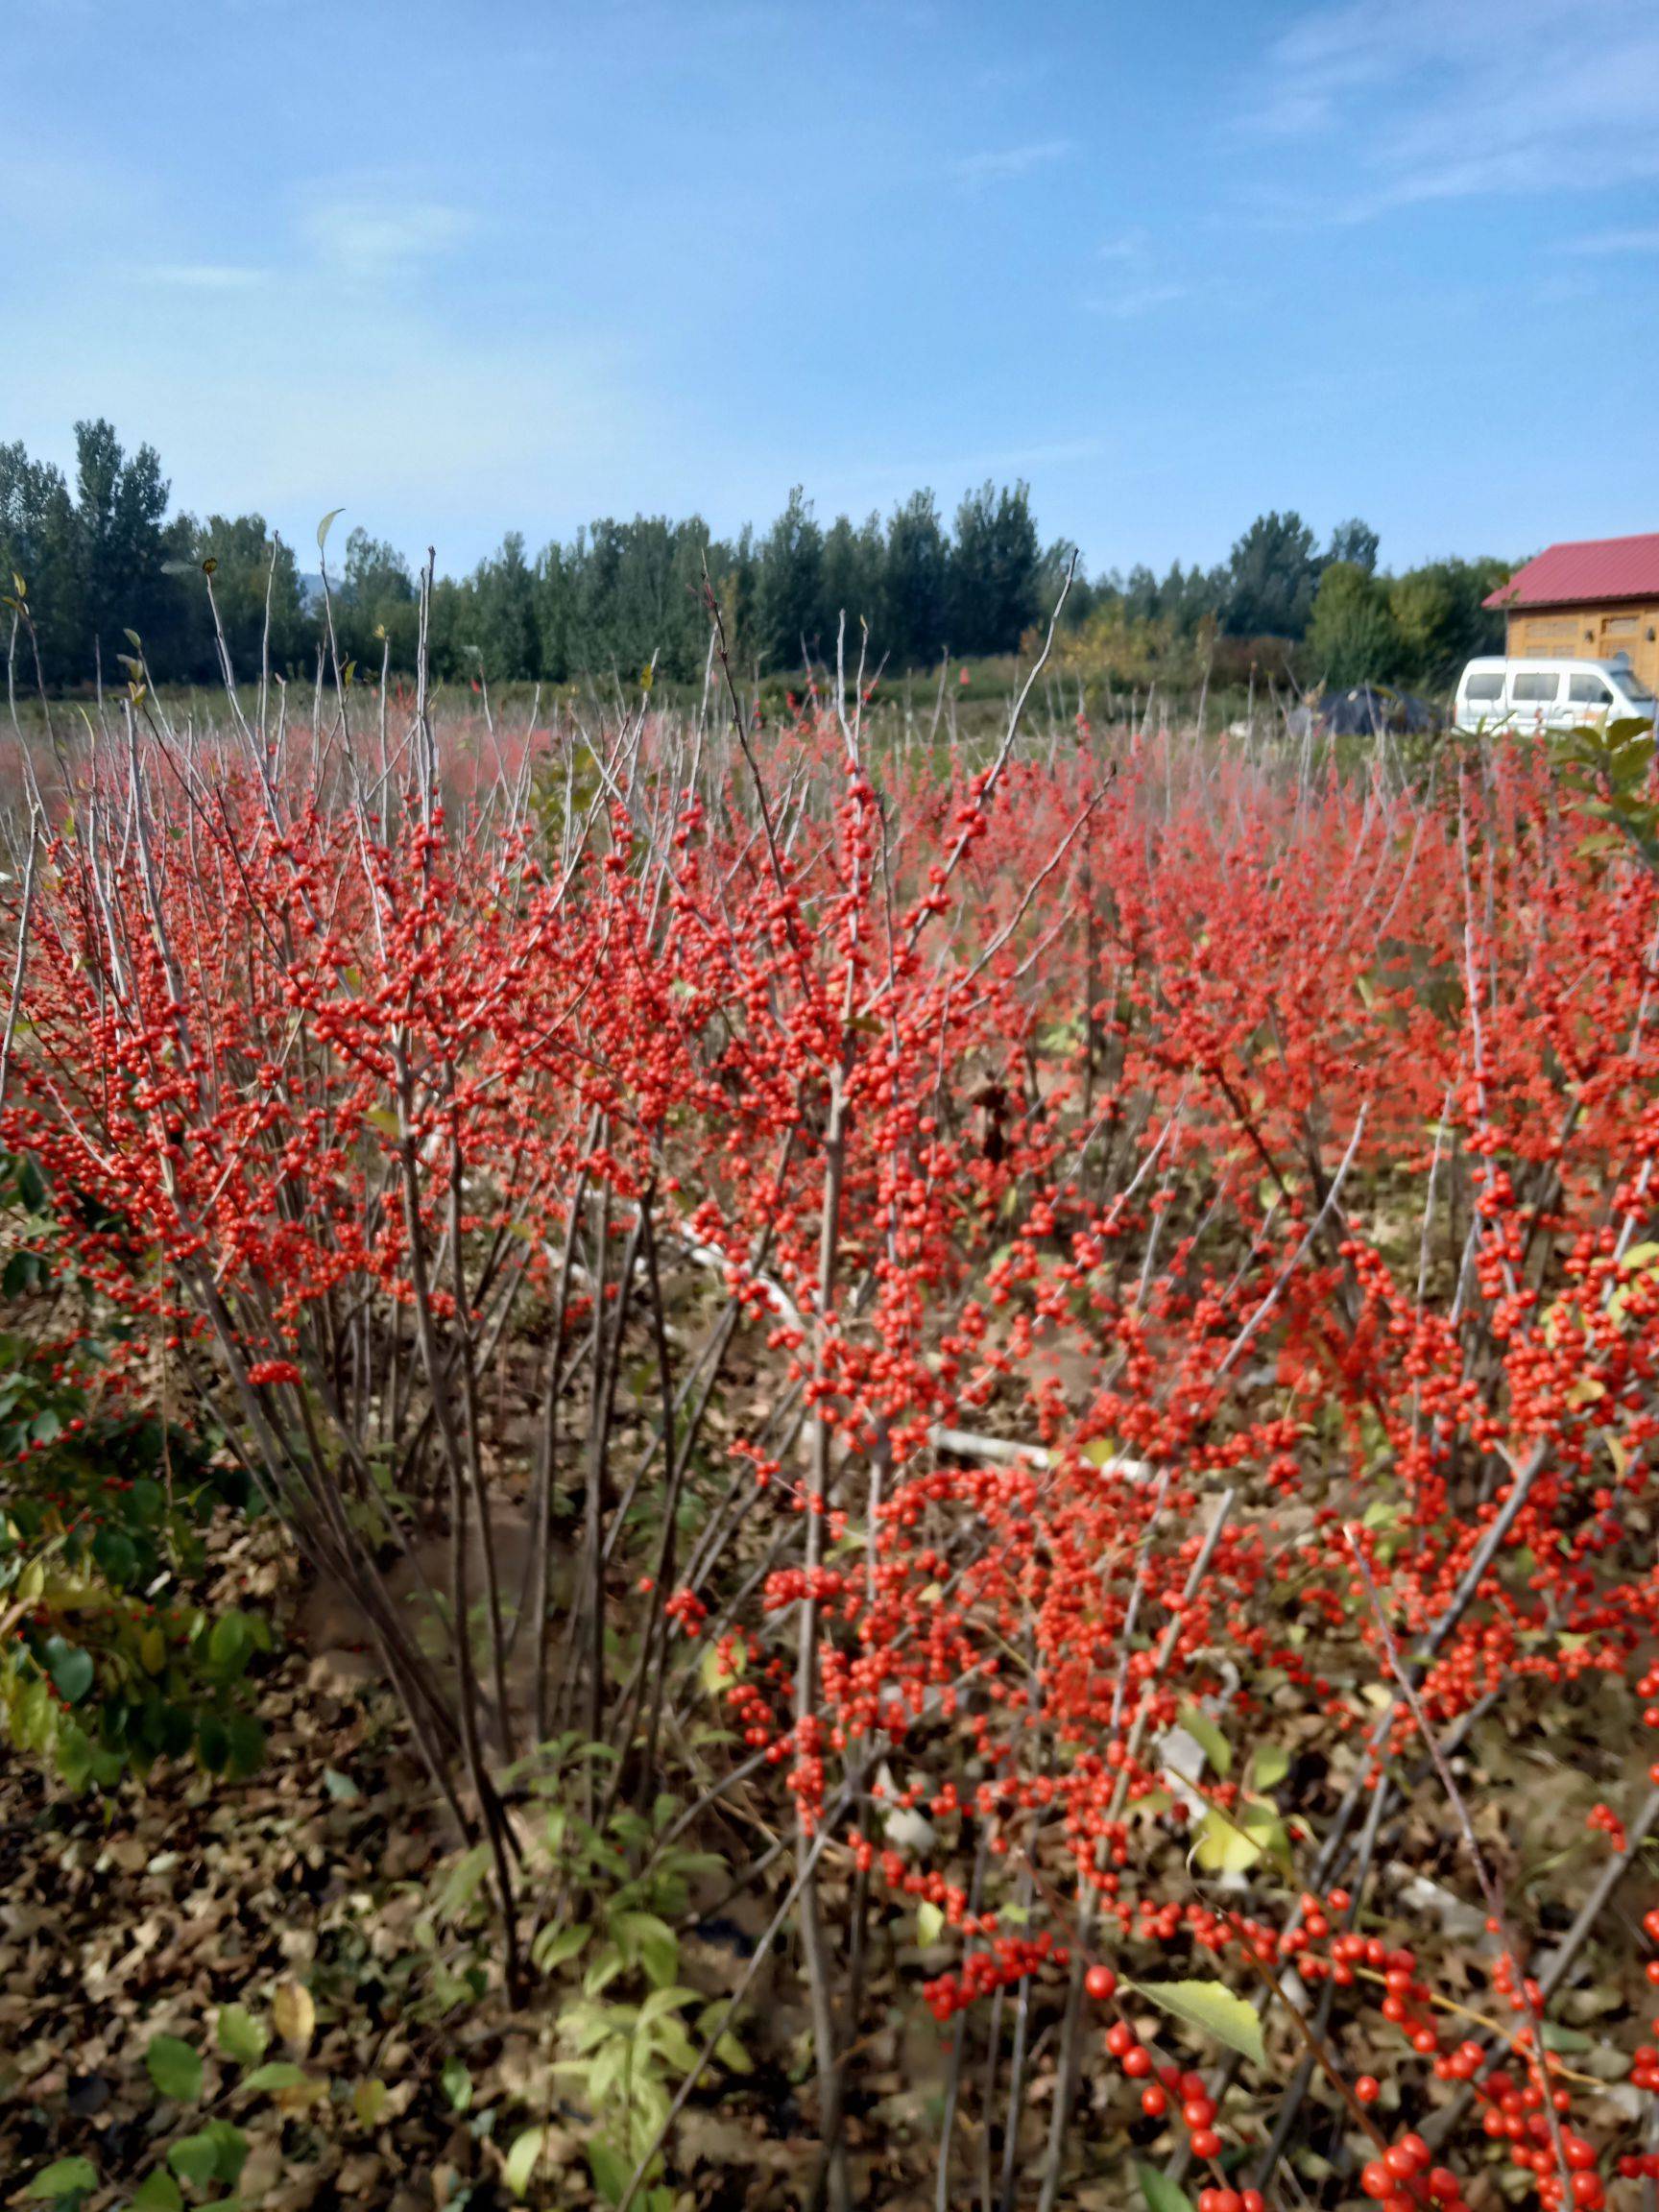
column 489, row 264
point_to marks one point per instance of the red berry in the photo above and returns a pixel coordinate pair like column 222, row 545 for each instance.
column 1367, row 2089
column 1100, row 1983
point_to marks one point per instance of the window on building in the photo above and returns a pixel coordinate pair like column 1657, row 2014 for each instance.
column 1535, row 690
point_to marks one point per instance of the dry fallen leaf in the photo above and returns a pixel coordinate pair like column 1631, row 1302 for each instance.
column 294, row 2014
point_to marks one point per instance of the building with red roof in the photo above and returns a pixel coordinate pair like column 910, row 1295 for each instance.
column 1588, row 601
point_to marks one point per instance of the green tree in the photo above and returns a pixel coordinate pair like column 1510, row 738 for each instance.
column 377, row 574
column 553, row 595
column 1356, row 542
column 254, row 575
column 1272, row 574
column 736, row 582
column 915, row 585
column 119, row 550
column 1351, row 637
column 37, row 545
column 503, row 613
column 789, row 601
column 1441, row 622
column 1084, row 596
column 850, row 582
column 994, row 569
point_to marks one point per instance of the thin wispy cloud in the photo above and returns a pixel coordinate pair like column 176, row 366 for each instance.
column 1133, row 300
column 997, row 166
column 370, row 238
column 1435, row 103
column 1616, row 242
column 515, row 339
column 1144, row 281
column 202, row 275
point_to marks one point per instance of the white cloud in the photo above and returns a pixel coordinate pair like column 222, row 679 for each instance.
column 202, row 275
column 365, row 237
column 1615, row 242
column 1143, row 281
column 1421, row 100
column 336, row 405
column 1134, row 300
column 999, row 165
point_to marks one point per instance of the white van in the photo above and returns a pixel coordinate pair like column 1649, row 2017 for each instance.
column 1535, row 695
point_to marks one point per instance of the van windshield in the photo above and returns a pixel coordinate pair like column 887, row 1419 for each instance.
column 1636, row 693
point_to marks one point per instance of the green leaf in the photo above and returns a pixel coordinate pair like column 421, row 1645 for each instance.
column 611, row 2171
column 930, row 1923
column 231, row 1645
column 74, row 1755
column 340, row 1786
column 1268, row 1766
column 369, row 2102
column 240, row 2037
column 70, row 1668
column 195, row 2158
column 159, row 2193
column 63, row 2176
column 662, row 2005
column 457, row 2084
column 230, row 2147
column 327, row 524
column 212, row 1742
column 244, row 1743
column 1207, row 1737
column 277, row 2074
column 603, row 1968
column 175, row 2069
column 557, row 1946
column 647, row 1941
column 1162, row 2195
column 1232, row 1842
column 522, row 2160
column 1211, row 2007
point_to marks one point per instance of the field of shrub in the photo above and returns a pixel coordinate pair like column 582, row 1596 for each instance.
column 769, row 1466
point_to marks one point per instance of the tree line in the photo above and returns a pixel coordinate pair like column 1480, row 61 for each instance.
column 1339, row 618
column 102, row 559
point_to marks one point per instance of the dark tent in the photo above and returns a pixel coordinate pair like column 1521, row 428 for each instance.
column 1368, row 709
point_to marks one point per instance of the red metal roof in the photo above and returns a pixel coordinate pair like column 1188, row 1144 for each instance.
column 1595, row 568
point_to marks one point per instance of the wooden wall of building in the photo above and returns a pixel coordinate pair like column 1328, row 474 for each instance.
column 1590, row 634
